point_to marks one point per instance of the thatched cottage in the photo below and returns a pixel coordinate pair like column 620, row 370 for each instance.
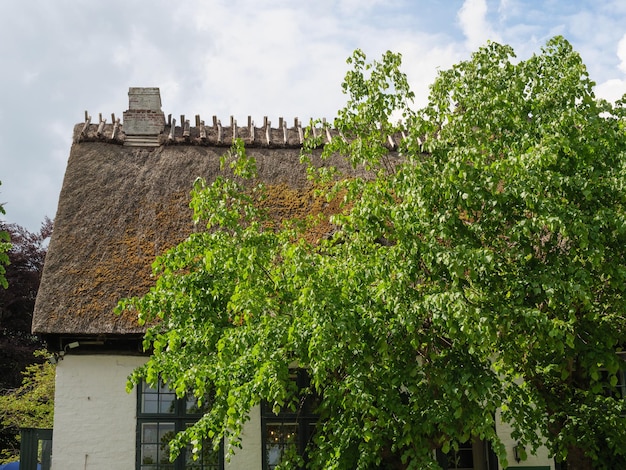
column 124, row 200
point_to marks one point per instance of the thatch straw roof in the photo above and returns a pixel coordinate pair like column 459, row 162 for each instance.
column 120, row 207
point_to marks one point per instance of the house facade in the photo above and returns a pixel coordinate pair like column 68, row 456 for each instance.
column 123, row 202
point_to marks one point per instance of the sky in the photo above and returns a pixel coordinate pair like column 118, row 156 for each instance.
column 241, row 57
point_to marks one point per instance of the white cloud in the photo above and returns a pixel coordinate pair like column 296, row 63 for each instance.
column 611, row 90
column 473, row 20
column 505, row 8
column 29, row 77
column 621, row 53
column 614, row 88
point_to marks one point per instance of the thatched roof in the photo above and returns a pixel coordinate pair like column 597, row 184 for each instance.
column 121, row 206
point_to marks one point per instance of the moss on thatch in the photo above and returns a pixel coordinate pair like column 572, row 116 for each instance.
column 120, row 207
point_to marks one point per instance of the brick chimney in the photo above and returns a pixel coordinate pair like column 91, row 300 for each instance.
column 144, row 121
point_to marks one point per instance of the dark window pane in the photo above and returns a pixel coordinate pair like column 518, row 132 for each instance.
column 462, row 459
column 149, row 400
column 154, row 444
column 280, row 438
column 158, row 401
column 621, row 384
column 166, row 434
column 149, row 454
column 167, row 403
column 149, row 433
column 290, row 431
column 207, row 459
column 191, row 406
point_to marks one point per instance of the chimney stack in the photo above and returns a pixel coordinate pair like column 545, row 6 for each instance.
column 144, row 121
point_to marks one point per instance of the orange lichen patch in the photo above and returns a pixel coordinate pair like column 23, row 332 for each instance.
column 122, row 268
column 284, row 203
column 120, row 207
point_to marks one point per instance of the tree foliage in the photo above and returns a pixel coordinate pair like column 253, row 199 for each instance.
column 25, row 253
column 5, row 245
column 26, row 257
column 478, row 272
column 29, row 405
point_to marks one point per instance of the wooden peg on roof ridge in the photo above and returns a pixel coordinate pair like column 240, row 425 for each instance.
column 298, row 125
column 172, row 129
column 100, row 125
column 182, row 120
column 326, row 127
column 251, row 128
column 281, row 121
column 186, row 129
column 83, row 132
column 169, row 119
column 233, row 124
column 202, row 130
column 268, row 131
column 390, row 141
column 116, row 127
column 112, row 117
column 313, row 128
column 401, row 127
column 197, row 120
column 284, row 126
column 220, row 137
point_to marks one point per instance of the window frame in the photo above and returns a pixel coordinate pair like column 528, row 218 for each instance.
column 482, row 455
column 304, row 419
column 180, row 417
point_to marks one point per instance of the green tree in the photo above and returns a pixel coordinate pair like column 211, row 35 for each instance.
column 5, row 246
column 29, row 405
column 481, row 267
column 26, row 256
column 26, row 253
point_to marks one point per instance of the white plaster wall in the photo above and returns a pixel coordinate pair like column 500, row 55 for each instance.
column 540, row 459
column 249, row 457
column 94, row 418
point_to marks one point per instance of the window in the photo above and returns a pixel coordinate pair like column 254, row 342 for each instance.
column 288, row 432
column 160, row 415
column 619, row 390
column 471, row 455
column 621, row 384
